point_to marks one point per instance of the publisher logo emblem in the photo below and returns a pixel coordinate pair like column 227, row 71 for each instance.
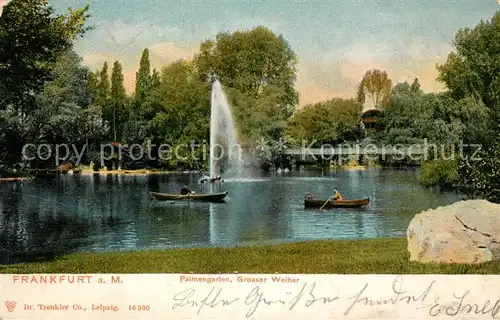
column 11, row 305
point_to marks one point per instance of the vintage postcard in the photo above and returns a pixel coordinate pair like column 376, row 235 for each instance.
column 249, row 159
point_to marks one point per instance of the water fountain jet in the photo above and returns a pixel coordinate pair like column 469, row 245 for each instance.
column 226, row 154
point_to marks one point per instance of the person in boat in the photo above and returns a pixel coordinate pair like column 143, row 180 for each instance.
column 216, row 179
column 204, row 179
column 337, row 195
column 185, row 190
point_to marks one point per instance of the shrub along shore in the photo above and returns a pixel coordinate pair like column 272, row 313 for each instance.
column 369, row 256
column 24, row 175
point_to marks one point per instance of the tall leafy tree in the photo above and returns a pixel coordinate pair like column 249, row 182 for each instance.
column 32, row 36
column 473, row 69
column 155, row 79
column 398, row 124
column 143, row 76
column 118, row 99
column 181, row 105
column 249, row 61
column 326, row 122
column 93, row 125
column 415, row 86
column 62, row 102
column 103, row 95
column 104, row 86
column 376, row 85
column 472, row 72
column 92, row 85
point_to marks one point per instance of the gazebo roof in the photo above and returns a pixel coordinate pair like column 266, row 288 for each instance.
column 372, row 111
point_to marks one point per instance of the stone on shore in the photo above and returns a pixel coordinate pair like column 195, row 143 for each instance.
column 463, row 232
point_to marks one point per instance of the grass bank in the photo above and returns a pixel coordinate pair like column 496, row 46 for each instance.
column 383, row 255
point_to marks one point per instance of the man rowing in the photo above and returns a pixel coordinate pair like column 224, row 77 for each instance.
column 217, row 178
column 337, row 195
column 206, row 179
column 185, row 190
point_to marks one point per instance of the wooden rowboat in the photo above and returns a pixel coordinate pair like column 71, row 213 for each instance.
column 211, row 197
column 135, row 171
column 210, row 180
column 316, row 203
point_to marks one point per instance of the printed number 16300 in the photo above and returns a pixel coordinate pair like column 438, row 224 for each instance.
column 138, row 307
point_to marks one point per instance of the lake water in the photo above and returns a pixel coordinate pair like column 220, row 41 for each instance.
column 69, row 213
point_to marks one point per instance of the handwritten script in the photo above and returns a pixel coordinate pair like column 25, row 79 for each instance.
column 308, row 295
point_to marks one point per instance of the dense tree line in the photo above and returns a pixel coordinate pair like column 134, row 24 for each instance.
column 65, row 102
column 48, row 96
column 463, row 121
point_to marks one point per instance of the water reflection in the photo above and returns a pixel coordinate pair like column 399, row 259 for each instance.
column 34, row 227
column 44, row 218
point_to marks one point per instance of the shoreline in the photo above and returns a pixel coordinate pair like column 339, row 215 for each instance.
column 15, row 179
column 87, row 171
column 141, row 172
column 366, row 256
column 134, row 172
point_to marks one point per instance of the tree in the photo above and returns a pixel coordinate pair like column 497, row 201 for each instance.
column 103, row 91
column 471, row 74
column 143, row 76
column 118, row 98
column 415, row 86
column 181, row 116
column 249, row 61
column 257, row 118
column 92, row 85
column 398, row 125
column 117, row 87
column 155, row 79
column 104, row 86
column 326, row 122
column 62, row 101
column 32, row 37
column 62, row 107
column 93, row 126
column 34, row 42
column 474, row 68
column 377, row 85
column 479, row 176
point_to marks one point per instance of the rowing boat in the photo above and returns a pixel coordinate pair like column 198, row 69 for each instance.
column 315, row 203
column 135, row 171
column 211, row 197
column 210, row 180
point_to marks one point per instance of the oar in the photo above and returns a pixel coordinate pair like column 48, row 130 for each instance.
column 330, row 198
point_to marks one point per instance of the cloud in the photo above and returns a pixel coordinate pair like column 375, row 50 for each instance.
column 3, row 3
column 322, row 80
column 95, row 60
column 321, row 75
column 125, row 41
column 160, row 55
column 337, row 73
column 317, row 79
column 119, row 36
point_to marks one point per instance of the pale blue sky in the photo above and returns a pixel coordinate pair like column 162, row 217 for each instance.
column 336, row 41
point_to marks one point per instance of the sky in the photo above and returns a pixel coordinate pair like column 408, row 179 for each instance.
column 336, row 41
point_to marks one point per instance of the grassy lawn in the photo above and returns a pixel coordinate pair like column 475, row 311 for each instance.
column 386, row 255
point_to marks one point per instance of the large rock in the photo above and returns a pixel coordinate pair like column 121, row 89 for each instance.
column 463, row 232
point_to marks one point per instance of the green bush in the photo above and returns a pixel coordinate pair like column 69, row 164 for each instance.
column 439, row 173
column 480, row 175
